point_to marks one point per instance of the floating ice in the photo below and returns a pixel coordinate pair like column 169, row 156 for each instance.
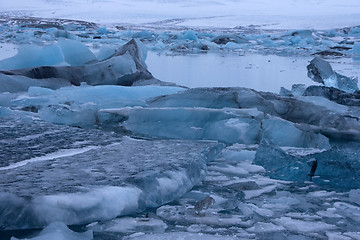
column 226, row 125
column 59, row 231
column 126, row 68
column 320, row 71
column 79, row 106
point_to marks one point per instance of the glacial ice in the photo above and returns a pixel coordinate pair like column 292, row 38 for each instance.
column 321, row 71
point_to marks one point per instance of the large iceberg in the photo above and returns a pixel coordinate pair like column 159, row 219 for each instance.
column 126, row 67
column 315, row 115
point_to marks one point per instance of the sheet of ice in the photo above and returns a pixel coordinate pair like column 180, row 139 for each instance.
column 304, row 227
column 257, row 192
column 59, row 231
column 262, row 227
column 131, row 225
column 59, row 154
column 182, row 215
column 100, row 184
column 183, row 236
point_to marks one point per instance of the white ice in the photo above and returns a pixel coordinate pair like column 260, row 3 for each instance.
column 183, row 236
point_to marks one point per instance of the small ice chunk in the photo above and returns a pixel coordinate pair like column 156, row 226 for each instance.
column 348, row 210
column 300, row 226
column 356, row 49
column 255, row 193
column 131, row 225
column 322, row 193
column 354, row 196
column 244, row 185
column 262, row 227
column 101, row 30
column 298, row 89
column 189, row 35
column 59, row 231
column 229, row 169
column 337, row 236
column 303, row 216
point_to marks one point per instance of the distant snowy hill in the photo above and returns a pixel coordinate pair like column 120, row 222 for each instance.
column 279, row 14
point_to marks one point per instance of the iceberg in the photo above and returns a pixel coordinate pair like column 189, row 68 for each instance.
column 336, row 166
column 127, row 67
column 79, row 106
column 228, row 125
column 321, row 71
column 327, row 118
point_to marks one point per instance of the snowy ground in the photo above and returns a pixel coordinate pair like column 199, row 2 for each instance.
column 119, row 162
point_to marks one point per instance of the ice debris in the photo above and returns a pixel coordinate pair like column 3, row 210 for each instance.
column 321, row 71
